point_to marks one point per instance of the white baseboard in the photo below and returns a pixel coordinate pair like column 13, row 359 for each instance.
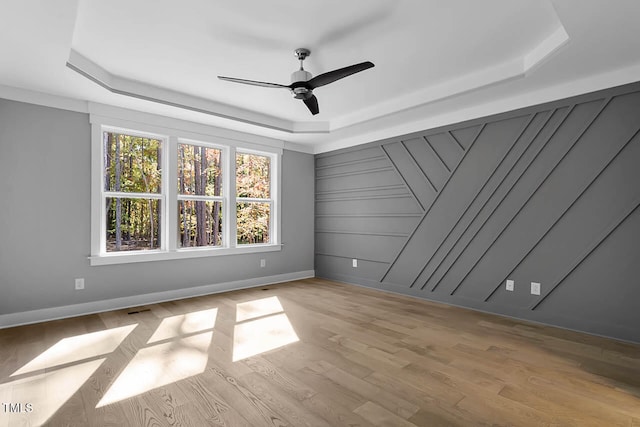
column 54, row 313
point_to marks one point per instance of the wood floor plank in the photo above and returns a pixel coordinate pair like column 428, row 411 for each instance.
column 334, row 412
column 381, row 417
column 235, row 391
column 360, row 357
column 389, row 400
column 563, row 412
column 280, row 377
column 284, row 403
column 208, row 404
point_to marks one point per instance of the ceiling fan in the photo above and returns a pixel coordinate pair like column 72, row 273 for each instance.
column 303, row 83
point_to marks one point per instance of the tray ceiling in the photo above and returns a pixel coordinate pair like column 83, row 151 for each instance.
column 436, row 62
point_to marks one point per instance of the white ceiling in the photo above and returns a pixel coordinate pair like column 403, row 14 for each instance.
column 436, row 62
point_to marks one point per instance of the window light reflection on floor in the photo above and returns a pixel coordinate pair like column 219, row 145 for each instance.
column 258, row 308
column 268, row 332
column 163, row 363
column 46, row 392
column 183, row 324
column 159, row 365
column 178, row 349
column 79, row 347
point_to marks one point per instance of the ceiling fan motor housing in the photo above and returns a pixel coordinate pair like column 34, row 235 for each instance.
column 300, row 92
column 303, row 83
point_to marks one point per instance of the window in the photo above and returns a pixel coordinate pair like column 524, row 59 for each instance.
column 132, row 194
column 162, row 194
column 199, row 196
column 253, row 198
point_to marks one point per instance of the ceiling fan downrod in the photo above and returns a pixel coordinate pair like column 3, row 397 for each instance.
column 301, row 75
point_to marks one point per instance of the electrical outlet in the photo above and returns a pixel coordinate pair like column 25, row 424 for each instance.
column 79, row 284
column 263, row 262
column 510, row 285
column 354, row 263
column 535, row 288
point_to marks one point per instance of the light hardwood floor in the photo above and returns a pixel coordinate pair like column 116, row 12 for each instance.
column 312, row 353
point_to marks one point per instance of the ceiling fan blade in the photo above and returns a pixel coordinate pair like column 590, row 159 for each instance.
column 332, row 76
column 252, row 82
column 312, row 104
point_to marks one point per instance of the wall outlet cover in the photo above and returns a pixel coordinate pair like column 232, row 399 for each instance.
column 354, row 263
column 510, row 285
column 535, row 288
column 79, row 284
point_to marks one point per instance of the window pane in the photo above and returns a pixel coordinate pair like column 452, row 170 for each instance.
column 132, row 224
column 132, row 163
column 199, row 170
column 200, row 223
column 253, row 222
column 253, row 176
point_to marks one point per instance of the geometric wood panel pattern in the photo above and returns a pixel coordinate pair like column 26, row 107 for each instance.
column 531, row 195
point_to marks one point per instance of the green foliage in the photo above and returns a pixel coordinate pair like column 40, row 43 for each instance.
column 253, row 222
column 132, row 164
column 199, row 170
column 189, row 220
column 253, row 180
column 199, row 174
column 253, row 176
column 138, row 161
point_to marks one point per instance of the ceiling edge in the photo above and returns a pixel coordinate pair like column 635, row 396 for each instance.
column 121, row 86
column 563, row 90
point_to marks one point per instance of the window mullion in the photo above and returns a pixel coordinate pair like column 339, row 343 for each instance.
column 170, row 186
column 164, row 204
column 252, row 200
column 276, row 183
column 230, row 190
column 200, row 198
column 127, row 195
column 98, row 218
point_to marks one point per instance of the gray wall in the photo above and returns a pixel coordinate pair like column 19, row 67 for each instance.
column 547, row 194
column 45, row 221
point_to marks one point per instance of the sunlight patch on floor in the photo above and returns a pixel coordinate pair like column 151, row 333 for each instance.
column 258, row 308
column 73, row 349
column 260, row 335
column 182, row 324
column 159, row 365
column 46, row 392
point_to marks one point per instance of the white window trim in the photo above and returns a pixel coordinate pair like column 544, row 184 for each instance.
column 169, row 246
column 274, row 191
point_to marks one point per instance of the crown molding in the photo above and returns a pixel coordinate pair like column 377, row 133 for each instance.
column 135, row 89
column 514, row 68
column 353, row 136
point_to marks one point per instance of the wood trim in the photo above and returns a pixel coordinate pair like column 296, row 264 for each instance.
column 68, row 311
column 374, row 197
column 542, row 146
column 350, row 162
column 524, row 128
column 417, row 165
column 577, row 198
column 433, row 202
column 362, row 172
column 455, row 140
column 403, row 179
column 580, row 259
column 362, row 233
column 571, row 146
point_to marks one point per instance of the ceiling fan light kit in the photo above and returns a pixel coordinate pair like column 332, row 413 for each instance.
column 303, row 83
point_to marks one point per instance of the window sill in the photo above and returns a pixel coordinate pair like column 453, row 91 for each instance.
column 146, row 256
